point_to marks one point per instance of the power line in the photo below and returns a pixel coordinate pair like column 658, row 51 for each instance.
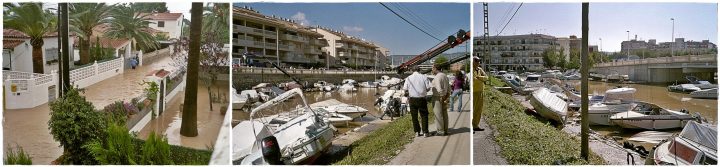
column 505, row 17
column 413, row 19
column 511, row 17
column 421, row 20
column 386, row 7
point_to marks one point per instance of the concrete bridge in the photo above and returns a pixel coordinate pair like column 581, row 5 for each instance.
column 662, row 69
column 245, row 78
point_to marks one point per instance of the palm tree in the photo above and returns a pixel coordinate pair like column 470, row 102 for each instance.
column 83, row 18
column 35, row 22
column 189, row 115
column 127, row 22
column 216, row 20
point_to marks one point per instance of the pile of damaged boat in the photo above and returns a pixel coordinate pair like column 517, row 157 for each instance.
column 298, row 136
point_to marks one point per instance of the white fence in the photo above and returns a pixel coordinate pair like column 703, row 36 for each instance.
column 86, row 76
column 28, row 90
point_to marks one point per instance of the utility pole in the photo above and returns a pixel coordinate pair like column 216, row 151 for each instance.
column 63, row 34
column 600, row 44
column 584, row 125
column 672, row 39
column 486, row 38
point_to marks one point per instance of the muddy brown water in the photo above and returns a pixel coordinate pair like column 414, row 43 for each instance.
column 28, row 129
column 364, row 97
column 659, row 95
column 208, row 121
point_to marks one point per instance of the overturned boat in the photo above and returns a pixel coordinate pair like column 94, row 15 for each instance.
column 649, row 116
column 695, row 145
column 299, row 140
column 549, row 105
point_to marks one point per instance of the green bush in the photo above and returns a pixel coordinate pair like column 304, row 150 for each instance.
column 17, row 157
column 156, row 151
column 74, row 123
column 116, row 149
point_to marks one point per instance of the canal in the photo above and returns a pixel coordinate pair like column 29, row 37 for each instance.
column 656, row 94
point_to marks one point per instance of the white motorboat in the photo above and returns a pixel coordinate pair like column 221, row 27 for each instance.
column 349, row 81
column 686, row 88
column 514, row 82
column 386, row 81
column 299, row 140
column 596, row 77
column 649, row 116
column 347, row 88
column 352, row 111
column 320, row 84
column 532, row 83
column 575, row 104
column 368, row 84
column 573, row 76
column 695, row 145
column 548, row 105
column 705, row 94
column 615, row 78
column 338, row 120
column 615, row 101
column 700, row 83
column 237, row 100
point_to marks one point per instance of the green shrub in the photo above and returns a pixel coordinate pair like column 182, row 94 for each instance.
column 155, row 151
column 116, row 149
column 17, row 157
column 74, row 123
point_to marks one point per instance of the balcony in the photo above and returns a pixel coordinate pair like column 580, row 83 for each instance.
column 271, row 46
column 340, row 45
column 313, row 51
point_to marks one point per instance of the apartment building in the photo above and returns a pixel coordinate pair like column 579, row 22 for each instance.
column 516, row 51
column 679, row 46
column 350, row 51
column 259, row 39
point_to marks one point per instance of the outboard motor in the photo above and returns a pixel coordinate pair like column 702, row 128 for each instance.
column 271, row 150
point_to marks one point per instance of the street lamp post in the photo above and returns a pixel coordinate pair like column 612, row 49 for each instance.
column 672, row 39
column 600, row 44
column 628, row 45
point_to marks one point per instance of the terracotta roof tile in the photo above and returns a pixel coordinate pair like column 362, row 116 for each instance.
column 105, row 42
column 12, row 33
column 163, row 16
column 10, row 43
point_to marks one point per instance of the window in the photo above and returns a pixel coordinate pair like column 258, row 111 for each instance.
column 51, row 54
column 161, row 23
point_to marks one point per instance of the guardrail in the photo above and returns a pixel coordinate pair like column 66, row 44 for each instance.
column 258, row 70
column 660, row 60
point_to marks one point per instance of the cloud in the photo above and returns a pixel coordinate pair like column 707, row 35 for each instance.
column 300, row 18
column 350, row 29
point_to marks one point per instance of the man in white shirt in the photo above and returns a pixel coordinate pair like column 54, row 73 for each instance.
column 417, row 86
column 441, row 91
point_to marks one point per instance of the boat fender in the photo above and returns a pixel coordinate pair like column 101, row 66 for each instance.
column 271, row 150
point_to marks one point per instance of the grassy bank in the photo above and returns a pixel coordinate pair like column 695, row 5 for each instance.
column 526, row 140
column 381, row 145
column 180, row 155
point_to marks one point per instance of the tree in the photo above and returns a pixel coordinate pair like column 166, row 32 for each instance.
column 35, row 22
column 562, row 62
column 83, row 18
column 213, row 60
column 550, row 57
column 127, row 22
column 189, row 115
column 441, row 60
column 216, row 18
column 150, row 7
column 75, row 123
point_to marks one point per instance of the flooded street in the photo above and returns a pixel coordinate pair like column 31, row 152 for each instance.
column 28, row 129
column 208, row 122
column 125, row 86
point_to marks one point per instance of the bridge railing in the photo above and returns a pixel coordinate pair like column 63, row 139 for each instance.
column 660, row 60
column 261, row 70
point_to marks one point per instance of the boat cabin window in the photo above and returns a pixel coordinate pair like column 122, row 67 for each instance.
column 705, row 160
column 532, row 79
column 681, row 151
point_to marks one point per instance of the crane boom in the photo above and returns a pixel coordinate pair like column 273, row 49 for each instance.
column 441, row 47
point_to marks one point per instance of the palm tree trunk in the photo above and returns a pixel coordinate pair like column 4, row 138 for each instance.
column 37, row 57
column 84, row 51
column 189, row 116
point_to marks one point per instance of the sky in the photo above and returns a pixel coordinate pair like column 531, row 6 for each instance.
column 609, row 21
column 371, row 21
